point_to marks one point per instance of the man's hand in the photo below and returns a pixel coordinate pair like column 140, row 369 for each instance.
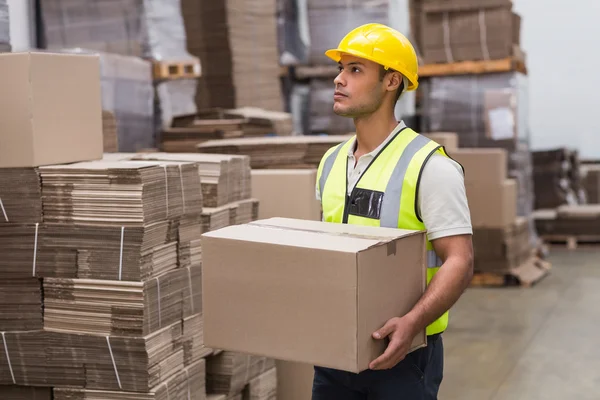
column 401, row 332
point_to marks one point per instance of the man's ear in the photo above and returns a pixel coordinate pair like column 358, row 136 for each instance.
column 394, row 81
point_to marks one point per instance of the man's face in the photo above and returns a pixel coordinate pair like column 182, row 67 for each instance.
column 359, row 89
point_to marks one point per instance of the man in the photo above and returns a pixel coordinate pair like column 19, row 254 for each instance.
column 388, row 175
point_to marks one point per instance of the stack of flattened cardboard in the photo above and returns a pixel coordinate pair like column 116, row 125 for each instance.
column 230, row 372
column 193, row 340
column 553, row 172
column 103, row 192
column 237, row 43
column 58, row 359
column 20, row 304
column 591, row 182
column 189, row 383
column 224, row 178
column 461, row 30
column 182, row 139
column 13, row 392
column 262, row 122
column 276, row 152
column 114, row 307
column 263, row 387
column 582, row 220
column 20, row 196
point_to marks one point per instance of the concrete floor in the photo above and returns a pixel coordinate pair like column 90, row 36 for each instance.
column 530, row 344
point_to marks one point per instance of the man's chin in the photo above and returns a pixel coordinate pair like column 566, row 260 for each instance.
column 339, row 111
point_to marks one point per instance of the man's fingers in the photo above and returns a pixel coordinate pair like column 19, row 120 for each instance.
column 384, row 331
column 384, row 360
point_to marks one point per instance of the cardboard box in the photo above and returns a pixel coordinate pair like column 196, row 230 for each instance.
column 51, row 109
column 286, row 193
column 294, row 380
column 483, row 165
column 327, row 286
column 447, row 139
column 492, row 204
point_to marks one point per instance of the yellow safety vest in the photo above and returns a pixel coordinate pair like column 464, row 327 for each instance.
column 385, row 195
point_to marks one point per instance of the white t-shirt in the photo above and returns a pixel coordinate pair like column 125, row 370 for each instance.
column 442, row 198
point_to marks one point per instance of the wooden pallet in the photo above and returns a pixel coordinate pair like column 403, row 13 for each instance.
column 167, row 70
column 526, row 275
column 572, row 242
column 473, row 67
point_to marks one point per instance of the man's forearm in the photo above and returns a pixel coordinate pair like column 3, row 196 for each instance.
column 443, row 291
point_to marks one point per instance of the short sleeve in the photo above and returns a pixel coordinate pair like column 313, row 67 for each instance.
column 442, row 198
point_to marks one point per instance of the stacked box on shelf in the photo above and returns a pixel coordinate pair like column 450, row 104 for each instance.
column 557, row 178
column 577, row 221
column 591, row 182
column 151, row 29
column 237, row 43
column 466, row 30
column 502, row 241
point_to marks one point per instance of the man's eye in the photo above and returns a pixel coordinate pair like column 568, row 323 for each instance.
column 355, row 69
column 340, row 69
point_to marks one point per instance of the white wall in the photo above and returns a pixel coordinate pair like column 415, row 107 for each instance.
column 22, row 24
column 561, row 39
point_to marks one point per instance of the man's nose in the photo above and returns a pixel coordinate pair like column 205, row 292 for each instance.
column 339, row 79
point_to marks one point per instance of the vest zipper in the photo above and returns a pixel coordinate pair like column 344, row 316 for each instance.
column 346, row 214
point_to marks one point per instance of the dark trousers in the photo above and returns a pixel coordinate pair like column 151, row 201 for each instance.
column 417, row 377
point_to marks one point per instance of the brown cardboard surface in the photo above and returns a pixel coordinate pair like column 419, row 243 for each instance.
column 482, row 165
column 492, row 205
column 274, row 279
column 286, row 193
column 294, row 380
column 447, row 139
column 52, row 110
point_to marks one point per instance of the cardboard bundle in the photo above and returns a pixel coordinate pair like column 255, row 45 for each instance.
column 246, row 211
column 237, row 43
column 13, row 392
column 183, row 139
column 326, row 34
column 260, row 122
column 276, row 152
column 109, row 132
column 557, row 179
column 224, row 178
column 102, row 192
column 114, row 307
column 229, row 372
column 133, row 253
column 462, row 30
column 217, row 218
column 21, row 304
column 193, row 340
column 591, row 182
column 4, row 27
column 20, row 196
column 19, row 246
column 570, row 220
column 322, row 118
column 263, row 387
column 191, row 291
column 501, row 250
column 189, row 383
column 189, row 242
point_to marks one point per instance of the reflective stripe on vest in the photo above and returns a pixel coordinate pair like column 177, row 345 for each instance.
column 328, row 165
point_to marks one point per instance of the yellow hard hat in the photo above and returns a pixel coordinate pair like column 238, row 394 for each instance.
column 383, row 45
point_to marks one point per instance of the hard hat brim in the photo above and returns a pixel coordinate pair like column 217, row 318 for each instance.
column 336, row 55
